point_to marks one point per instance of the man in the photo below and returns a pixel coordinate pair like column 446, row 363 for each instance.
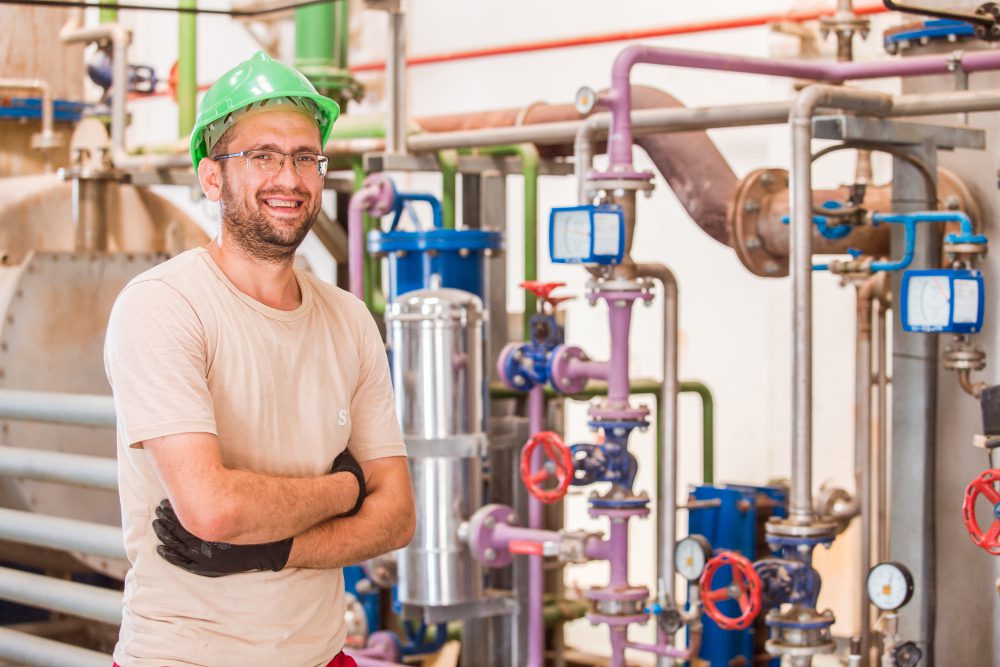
column 240, row 383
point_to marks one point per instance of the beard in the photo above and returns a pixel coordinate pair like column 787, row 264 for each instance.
column 253, row 230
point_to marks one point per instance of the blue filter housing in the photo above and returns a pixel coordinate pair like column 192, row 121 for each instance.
column 733, row 519
column 458, row 256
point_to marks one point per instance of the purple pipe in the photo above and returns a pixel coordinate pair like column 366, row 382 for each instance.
column 620, row 102
column 620, row 312
column 665, row 650
column 376, row 197
column 536, row 520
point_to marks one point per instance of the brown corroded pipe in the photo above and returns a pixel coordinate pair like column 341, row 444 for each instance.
column 760, row 238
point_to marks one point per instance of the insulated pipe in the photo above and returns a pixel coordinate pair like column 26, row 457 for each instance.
column 57, row 408
column 619, row 99
column 800, row 269
column 63, row 534
column 40, row 652
column 68, row 597
column 666, row 510
column 95, row 472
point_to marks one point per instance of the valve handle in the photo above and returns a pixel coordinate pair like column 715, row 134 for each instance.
column 540, row 289
column 984, row 485
column 745, row 589
column 557, row 464
column 556, row 300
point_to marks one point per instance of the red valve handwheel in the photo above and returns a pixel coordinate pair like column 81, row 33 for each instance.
column 540, row 289
column 745, row 580
column 983, row 486
column 554, row 451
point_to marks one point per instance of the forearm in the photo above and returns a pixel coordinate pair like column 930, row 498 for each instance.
column 385, row 523
column 254, row 508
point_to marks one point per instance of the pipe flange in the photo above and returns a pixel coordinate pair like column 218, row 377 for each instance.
column 799, row 631
column 624, row 601
column 629, row 181
column 559, row 364
column 817, row 529
column 751, row 204
column 961, row 356
column 478, row 534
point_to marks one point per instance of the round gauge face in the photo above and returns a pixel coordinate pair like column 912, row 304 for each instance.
column 929, row 301
column 890, row 586
column 691, row 555
column 571, row 236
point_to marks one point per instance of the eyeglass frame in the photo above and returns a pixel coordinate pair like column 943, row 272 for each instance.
column 322, row 162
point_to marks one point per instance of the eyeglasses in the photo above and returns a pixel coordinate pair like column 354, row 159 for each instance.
column 271, row 162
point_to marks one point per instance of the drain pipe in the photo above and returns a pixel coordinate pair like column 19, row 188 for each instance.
column 666, row 511
column 800, row 269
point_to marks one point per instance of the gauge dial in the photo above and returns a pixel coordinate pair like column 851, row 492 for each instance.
column 929, row 303
column 691, row 555
column 571, row 235
column 890, row 585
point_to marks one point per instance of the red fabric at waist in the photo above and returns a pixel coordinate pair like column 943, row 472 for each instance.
column 339, row 660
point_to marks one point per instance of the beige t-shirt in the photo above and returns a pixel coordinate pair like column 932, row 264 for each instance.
column 285, row 391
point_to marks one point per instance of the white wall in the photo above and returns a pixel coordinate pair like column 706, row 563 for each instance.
column 735, row 327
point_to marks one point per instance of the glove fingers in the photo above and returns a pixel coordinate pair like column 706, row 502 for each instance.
column 175, row 559
column 166, row 535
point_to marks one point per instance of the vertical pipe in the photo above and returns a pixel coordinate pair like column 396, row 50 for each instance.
column 314, row 37
column 536, row 514
column 862, row 442
column 448, row 160
column 342, row 34
column 882, row 433
column 107, row 15
column 396, row 82
column 620, row 315
column 529, row 166
column 187, row 68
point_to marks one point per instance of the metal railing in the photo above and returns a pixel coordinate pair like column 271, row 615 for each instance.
column 81, row 600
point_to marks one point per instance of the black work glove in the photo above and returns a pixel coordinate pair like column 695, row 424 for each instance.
column 345, row 462
column 213, row 559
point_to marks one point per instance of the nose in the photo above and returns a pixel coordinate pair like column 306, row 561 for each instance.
column 286, row 173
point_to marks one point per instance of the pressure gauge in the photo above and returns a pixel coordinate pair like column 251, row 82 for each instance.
column 938, row 301
column 890, row 585
column 585, row 101
column 587, row 235
column 691, row 555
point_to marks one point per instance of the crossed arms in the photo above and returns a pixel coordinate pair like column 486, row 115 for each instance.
column 220, row 504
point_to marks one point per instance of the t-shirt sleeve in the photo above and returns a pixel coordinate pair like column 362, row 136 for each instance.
column 155, row 356
column 375, row 430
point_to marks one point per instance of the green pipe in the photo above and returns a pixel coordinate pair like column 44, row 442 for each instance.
column 651, row 388
column 108, row 15
column 449, row 173
column 187, row 68
column 529, row 167
column 315, row 26
column 374, row 298
column 341, row 41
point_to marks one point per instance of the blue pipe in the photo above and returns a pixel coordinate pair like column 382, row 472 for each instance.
column 404, row 198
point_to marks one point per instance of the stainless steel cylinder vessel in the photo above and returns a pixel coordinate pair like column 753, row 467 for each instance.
column 436, row 346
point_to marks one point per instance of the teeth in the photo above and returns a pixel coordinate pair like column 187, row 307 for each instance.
column 279, row 203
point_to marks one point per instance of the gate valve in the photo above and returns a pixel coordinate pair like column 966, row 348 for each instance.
column 557, row 465
column 745, row 589
column 983, row 486
column 907, row 655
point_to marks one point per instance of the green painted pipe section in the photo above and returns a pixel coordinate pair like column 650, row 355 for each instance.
column 342, row 34
column 528, row 154
column 448, row 160
column 650, row 388
column 108, row 15
column 187, row 68
column 314, row 36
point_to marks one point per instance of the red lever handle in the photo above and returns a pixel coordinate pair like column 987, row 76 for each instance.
column 540, row 289
column 557, row 465
column 745, row 589
column 526, row 548
column 984, row 485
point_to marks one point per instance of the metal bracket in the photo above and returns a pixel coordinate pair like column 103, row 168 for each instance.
column 884, row 131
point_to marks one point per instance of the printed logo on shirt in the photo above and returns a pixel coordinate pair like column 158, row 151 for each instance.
column 342, row 418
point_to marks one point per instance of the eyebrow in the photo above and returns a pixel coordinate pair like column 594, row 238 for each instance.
column 272, row 147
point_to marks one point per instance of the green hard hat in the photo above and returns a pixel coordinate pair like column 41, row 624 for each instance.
column 256, row 82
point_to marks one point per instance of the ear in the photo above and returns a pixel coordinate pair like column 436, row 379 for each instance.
column 210, row 177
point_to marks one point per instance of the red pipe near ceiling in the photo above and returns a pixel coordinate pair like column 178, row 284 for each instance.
column 662, row 31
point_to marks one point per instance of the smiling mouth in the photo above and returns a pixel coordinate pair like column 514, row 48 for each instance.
column 283, row 203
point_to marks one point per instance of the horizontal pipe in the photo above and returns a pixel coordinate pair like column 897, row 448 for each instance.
column 41, row 652
column 95, row 472
column 59, row 533
column 629, row 35
column 57, row 407
column 35, row 590
column 47, row 138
